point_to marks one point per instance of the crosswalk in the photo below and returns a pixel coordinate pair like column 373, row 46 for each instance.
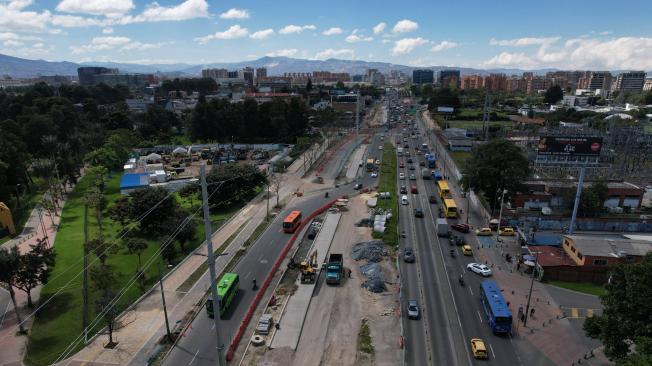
column 579, row 313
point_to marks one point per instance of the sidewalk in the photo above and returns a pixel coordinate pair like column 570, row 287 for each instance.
column 12, row 346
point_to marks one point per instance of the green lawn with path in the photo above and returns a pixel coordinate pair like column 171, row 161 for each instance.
column 59, row 323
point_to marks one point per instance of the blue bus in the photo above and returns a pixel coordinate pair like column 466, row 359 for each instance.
column 498, row 315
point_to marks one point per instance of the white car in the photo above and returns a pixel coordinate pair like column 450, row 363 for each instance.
column 401, row 176
column 480, row 269
column 380, row 147
column 374, row 174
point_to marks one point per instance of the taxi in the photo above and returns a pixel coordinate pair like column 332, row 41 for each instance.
column 466, row 249
column 485, row 231
column 478, row 349
column 507, row 231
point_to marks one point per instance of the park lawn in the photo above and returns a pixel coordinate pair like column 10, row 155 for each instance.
column 387, row 183
column 584, row 287
column 60, row 322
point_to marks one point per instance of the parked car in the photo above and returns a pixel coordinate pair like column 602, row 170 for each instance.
column 408, row 255
column 413, row 310
column 463, row 228
column 478, row 349
column 507, row 231
column 418, row 212
column 485, row 231
column 479, row 268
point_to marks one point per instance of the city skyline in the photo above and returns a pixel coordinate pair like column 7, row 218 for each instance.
column 415, row 34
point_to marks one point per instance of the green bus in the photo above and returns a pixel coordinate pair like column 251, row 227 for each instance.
column 227, row 288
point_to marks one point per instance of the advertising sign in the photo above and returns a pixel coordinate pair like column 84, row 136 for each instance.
column 570, row 146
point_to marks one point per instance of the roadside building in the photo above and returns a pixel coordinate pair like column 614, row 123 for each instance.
column 420, row 77
column 132, row 181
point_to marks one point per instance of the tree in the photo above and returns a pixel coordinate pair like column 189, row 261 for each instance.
column 9, row 267
column 188, row 231
column 494, row 166
column 188, row 191
column 35, row 268
column 137, row 246
column 120, row 211
column 160, row 206
column 100, row 247
column 601, row 191
column 233, row 183
column 168, row 251
column 554, row 94
column 624, row 325
column 104, row 280
column 309, row 85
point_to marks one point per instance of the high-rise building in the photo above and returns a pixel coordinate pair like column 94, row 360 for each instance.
column 214, row 73
column 449, row 78
column 261, row 73
column 420, row 77
column 248, row 75
column 495, row 82
column 536, row 83
column 648, row 84
column 599, row 80
column 88, row 75
column 471, row 82
column 631, row 81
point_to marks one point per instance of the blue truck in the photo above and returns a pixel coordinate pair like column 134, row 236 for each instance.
column 431, row 161
column 436, row 175
column 334, row 269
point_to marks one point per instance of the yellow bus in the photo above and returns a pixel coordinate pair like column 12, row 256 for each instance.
column 370, row 164
column 449, row 208
column 442, row 189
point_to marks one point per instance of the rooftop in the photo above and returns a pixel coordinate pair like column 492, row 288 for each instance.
column 601, row 246
column 550, row 256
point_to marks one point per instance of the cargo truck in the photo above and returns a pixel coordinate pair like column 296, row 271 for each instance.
column 442, row 227
column 334, row 269
column 425, row 173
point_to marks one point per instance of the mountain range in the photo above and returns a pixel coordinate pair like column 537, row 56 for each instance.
column 23, row 68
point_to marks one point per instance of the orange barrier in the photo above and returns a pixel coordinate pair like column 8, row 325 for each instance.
column 250, row 312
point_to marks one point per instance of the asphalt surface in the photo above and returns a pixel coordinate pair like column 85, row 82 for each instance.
column 451, row 314
column 198, row 346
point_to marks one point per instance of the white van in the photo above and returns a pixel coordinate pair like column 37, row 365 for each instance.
column 404, row 200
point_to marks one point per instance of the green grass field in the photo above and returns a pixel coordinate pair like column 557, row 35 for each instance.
column 584, row 287
column 459, row 157
column 60, row 322
column 387, row 183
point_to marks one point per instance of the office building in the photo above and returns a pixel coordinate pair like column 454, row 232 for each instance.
column 596, row 80
column 449, row 78
column 248, row 75
column 261, row 73
column 420, row 77
column 630, row 82
column 215, row 73
column 112, row 77
column 87, row 75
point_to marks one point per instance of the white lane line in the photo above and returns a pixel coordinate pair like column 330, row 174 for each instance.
column 247, row 275
column 492, row 350
column 193, row 357
column 471, row 291
column 213, row 326
column 479, row 316
column 4, row 314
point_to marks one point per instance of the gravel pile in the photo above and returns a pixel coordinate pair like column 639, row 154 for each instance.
column 373, row 251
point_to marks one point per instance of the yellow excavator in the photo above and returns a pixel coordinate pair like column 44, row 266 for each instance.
column 308, row 268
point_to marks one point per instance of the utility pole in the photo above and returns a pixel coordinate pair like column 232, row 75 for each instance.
column 211, row 262
column 500, row 215
column 165, row 308
column 485, row 115
column 529, row 296
column 85, row 285
column 357, row 118
column 578, row 193
column 267, row 212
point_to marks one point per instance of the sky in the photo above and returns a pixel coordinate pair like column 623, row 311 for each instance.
column 600, row 35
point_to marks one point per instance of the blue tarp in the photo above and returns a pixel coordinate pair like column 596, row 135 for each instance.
column 134, row 180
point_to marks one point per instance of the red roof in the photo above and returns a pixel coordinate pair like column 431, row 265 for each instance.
column 549, row 256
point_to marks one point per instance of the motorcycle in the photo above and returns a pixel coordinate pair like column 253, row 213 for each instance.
column 452, row 253
column 326, row 195
column 461, row 280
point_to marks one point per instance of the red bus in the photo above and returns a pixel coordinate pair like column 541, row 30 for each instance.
column 292, row 221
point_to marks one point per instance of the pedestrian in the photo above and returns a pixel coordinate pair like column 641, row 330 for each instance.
column 532, row 313
column 507, row 303
column 518, row 266
column 349, row 273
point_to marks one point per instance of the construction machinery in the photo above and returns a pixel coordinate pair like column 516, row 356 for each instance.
column 308, row 268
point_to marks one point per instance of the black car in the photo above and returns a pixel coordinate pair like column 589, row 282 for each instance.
column 357, row 186
column 422, row 163
column 403, row 190
column 411, row 167
column 409, row 160
column 432, row 199
column 408, row 255
column 418, row 212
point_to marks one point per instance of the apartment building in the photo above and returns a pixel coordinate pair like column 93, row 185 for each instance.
column 630, row 82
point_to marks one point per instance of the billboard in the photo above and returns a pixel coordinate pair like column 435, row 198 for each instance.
column 445, row 109
column 570, row 146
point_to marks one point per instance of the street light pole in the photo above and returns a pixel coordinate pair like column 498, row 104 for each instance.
column 211, row 262
column 529, row 296
column 500, row 215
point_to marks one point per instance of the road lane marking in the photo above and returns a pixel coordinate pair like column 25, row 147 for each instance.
column 247, row 275
column 471, row 291
column 5, row 313
column 492, row 350
column 575, row 313
column 589, row 313
column 193, row 357
column 479, row 316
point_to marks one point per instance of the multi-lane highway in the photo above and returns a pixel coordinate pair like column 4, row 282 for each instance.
column 199, row 345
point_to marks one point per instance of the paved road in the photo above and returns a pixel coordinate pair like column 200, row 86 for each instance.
column 452, row 314
column 198, row 347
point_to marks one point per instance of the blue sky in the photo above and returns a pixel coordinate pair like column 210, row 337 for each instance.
column 481, row 33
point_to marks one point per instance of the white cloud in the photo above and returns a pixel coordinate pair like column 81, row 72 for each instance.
column 110, row 8
column 138, row 46
column 522, row 42
column 75, row 21
column 234, row 13
column 288, row 52
column 262, row 34
column 379, row 28
column 189, row 9
column 107, row 30
column 405, row 26
column 505, row 59
column 101, row 44
column 12, row 43
column 13, row 17
column 406, row 45
column 234, row 31
column 332, row 31
column 291, row 28
column 330, row 53
column 444, row 45
column 355, row 37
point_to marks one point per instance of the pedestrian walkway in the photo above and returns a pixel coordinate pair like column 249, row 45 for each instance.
column 354, row 165
column 297, row 306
